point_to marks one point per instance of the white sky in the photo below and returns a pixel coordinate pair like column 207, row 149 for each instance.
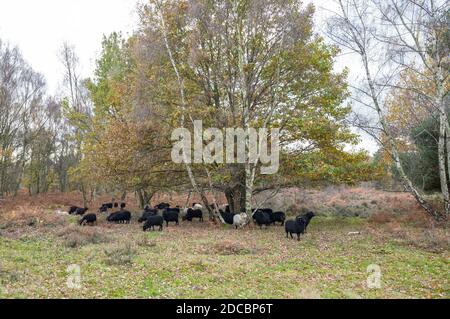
column 39, row 28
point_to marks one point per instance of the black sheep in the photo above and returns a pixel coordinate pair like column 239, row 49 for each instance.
column 278, row 217
column 307, row 218
column 116, row 205
column 89, row 219
column 227, row 217
column 262, row 218
column 123, row 205
column 153, row 221
column 193, row 213
column 103, row 209
column 297, row 226
column 72, row 209
column 146, row 214
column 162, row 206
column 81, row 211
column 267, row 211
column 121, row 217
column 171, row 215
column 108, row 205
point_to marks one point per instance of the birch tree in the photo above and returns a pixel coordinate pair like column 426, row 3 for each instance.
column 390, row 38
column 247, row 64
column 21, row 91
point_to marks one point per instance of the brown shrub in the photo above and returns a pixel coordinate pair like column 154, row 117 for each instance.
column 26, row 216
column 120, row 255
column 394, row 227
column 144, row 241
column 232, row 248
column 77, row 236
column 435, row 239
column 381, row 218
column 417, row 219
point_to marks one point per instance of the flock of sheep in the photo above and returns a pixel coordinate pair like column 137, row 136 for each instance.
column 155, row 217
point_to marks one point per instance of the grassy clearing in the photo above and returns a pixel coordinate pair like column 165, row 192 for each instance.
column 210, row 261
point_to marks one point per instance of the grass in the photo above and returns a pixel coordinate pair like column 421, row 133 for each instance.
column 197, row 260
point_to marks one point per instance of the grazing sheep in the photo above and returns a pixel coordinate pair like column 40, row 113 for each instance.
column 267, row 211
column 116, row 205
column 307, row 218
column 171, row 215
column 183, row 212
column 146, row 214
column 193, row 213
column 81, row 211
column 109, row 205
column 278, row 217
column 240, row 220
column 153, row 221
column 123, row 205
column 297, row 226
column 89, row 219
column 103, row 209
column 121, row 217
column 162, row 206
column 72, row 210
column 111, row 216
column 227, row 217
column 262, row 218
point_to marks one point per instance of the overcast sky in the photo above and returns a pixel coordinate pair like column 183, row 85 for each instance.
column 39, row 28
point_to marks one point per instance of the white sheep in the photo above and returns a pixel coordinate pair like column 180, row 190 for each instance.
column 240, row 220
column 197, row 206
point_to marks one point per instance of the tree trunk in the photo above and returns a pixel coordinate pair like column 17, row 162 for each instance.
column 444, row 142
column 188, row 199
column 144, row 197
column 409, row 186
column 442, row 145
column 83, row 192
column 191, row 176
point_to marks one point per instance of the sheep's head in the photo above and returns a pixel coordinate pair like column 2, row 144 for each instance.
column 244, row 220
column 310, row 215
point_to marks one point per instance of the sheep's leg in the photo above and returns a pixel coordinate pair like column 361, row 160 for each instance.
column 298, row 237
column 292, row 236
